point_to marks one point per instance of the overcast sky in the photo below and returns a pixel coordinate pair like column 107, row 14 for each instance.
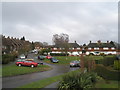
column 82, row 21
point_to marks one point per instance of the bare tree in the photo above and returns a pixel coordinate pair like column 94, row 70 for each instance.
column 62, row 41
column 45, row 44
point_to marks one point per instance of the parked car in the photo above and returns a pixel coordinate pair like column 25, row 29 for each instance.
column 22, row 56
column 75, row 63
column 41, row 57
column 39, row 63
column 20, row 60
column 27, row 63
column 48, row 57
column 53, row 60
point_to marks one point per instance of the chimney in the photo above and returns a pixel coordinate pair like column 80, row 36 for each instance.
column 75, row 41
column 99, row 41
column 90, row 41
column 107, row 41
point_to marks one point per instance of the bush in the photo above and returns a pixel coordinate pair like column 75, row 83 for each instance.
column 58, row 54
column 107, row 74
column 8, row 58
column 77, row 81
column 117, row 64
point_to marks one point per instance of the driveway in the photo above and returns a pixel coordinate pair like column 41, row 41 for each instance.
column 17, row 81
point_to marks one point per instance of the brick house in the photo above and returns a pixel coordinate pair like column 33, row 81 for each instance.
column 11, row 44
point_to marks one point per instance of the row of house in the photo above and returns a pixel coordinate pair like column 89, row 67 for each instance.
column 95, row 48
column 10, row 44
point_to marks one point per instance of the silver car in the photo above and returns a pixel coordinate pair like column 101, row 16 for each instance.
column 75, row 63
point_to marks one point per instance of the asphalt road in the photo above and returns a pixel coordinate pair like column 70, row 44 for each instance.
column 17, row 81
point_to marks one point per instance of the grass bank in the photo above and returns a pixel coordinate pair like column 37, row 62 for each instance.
column 13, row 70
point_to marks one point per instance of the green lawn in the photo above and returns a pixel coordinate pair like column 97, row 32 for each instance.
column 63, row 59
column 13, row 70
column 107, row 84
column 68, row 59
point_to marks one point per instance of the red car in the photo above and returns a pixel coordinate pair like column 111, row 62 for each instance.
column 27, row 63
column 48, row 57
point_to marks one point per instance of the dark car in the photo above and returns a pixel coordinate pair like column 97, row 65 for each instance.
column 75, row 63
column 41, row 57
column 53, row 60
column 27, row 63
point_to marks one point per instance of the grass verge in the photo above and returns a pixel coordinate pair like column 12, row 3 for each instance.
column 13, row 70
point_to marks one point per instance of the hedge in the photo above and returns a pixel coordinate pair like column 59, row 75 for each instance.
column 58, row 54
column 107, row 74
column 8, row 58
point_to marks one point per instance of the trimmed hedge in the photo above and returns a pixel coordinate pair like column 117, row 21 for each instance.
column 58, row 54
column 107, row 74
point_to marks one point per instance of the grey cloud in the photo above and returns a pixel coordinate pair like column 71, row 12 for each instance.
column 82, row 21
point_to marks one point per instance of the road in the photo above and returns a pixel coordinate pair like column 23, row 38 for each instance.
column 17, row 81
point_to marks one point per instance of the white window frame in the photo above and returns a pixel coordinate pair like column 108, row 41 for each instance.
column 96, row 48
column 105, row 48
column 112, row 48
column 55, row 48
column 89, row 48
column 78, row 48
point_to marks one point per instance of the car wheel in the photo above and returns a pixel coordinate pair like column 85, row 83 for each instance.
column 32, row 66
column 19, row 65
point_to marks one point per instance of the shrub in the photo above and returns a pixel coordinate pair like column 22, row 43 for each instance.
column 106, row 73
column 117, row 64
column 8, row 58
column 77, row 81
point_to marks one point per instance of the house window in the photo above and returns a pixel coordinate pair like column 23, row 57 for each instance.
column 105, row 48
column 55, row 48
column 70, row 48
column 60, row 48
column 96, row 48
column 78, row 48
column 89, row 48
column 113, row 48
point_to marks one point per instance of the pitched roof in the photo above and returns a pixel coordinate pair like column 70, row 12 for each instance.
column 71, row 45
column 100, row 45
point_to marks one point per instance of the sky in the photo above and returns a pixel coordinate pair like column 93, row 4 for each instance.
column 82, row 21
